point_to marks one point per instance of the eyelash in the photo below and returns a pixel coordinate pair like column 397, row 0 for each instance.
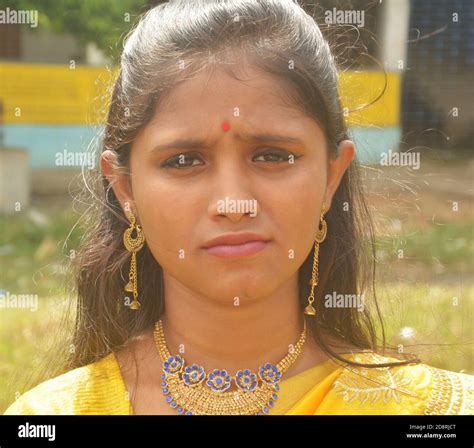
column 170, row 163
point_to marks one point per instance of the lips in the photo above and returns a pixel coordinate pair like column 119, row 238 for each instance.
column 236, row 245
column 234, row 239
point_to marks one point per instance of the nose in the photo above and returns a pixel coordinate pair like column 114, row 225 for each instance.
column 232, row 192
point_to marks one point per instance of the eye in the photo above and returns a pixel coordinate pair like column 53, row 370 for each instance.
column 181, row 161
column 276, row 156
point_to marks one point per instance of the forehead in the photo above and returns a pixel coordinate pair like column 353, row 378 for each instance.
column 251, row 95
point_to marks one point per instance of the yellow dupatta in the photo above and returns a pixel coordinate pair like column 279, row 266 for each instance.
column 325, row 389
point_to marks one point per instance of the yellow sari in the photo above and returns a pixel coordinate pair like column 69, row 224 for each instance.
column 326, row 389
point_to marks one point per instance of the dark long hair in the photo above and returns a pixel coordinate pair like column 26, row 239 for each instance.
column 170, row 43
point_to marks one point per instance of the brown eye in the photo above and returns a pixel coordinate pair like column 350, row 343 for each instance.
column 275, row 156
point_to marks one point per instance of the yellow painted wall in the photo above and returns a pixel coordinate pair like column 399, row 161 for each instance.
column 359, row 88
column 53, row 94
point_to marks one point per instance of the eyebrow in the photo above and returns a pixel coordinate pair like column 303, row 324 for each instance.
column 186, row 143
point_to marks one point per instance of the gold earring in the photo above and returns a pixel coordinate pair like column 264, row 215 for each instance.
column 320, row 237
column 133, row 245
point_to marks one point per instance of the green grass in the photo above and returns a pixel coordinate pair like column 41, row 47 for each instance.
column 450, row 244
column 34, row 253
column 34, row 258
column 432, row 320
column 29, row 344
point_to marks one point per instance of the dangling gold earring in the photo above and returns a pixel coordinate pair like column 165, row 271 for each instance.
column 133, row 245
column 320, row 237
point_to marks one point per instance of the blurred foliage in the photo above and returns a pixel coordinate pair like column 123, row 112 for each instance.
column 36, row 247
column 105, row 22
column 447, row 246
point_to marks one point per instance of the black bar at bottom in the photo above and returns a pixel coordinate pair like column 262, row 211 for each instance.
column 67, row 431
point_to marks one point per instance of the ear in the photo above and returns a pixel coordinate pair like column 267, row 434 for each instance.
column 336, row 169
column 118, row 178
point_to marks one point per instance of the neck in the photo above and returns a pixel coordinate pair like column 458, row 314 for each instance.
column 218, row 336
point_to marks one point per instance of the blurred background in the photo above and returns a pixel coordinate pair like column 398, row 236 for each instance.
column 406, row 84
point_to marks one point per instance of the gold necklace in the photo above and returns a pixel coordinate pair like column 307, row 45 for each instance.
column 191, row 391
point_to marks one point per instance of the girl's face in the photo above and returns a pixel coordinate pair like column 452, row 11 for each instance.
column 216, row 142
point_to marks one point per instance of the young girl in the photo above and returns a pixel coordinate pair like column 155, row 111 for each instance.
column 230, row 208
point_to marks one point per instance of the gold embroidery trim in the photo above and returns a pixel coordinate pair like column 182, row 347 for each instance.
column 452, row 394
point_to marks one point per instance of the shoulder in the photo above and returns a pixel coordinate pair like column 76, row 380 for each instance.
column 408, row 389
column 96, row 388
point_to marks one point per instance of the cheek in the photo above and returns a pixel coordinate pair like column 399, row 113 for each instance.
column 298, row 201
column 163, row 213
column 295, row 209
column 165, row 218
column 157, row 208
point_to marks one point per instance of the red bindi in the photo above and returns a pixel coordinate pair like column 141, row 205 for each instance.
column 225, row 126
